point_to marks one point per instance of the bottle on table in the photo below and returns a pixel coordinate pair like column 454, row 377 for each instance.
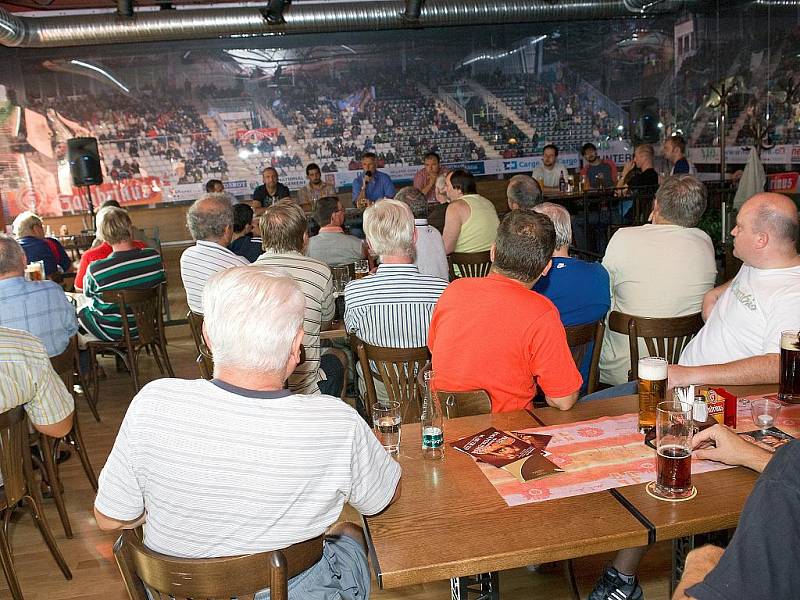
column 431, row 421
column 562, row 183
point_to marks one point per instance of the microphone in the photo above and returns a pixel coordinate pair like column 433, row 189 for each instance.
column 368, row 174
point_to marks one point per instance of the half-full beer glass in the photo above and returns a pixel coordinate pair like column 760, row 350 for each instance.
column 652, row 390
column 674, row 446
column 789, row 388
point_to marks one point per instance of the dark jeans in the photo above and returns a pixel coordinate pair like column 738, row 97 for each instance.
column 334, row 372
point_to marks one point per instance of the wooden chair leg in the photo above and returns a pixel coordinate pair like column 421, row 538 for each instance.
column 569, row 573
column 157, row 358
column 76, row 439
column 49, row 447
column 8, row 565
column 132, row 362
column 34, row 506
column 163, row 348
column 88, row 393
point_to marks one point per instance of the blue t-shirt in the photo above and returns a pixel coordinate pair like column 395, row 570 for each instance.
column 39, row 249
column 379, row 187
column 580, row 291
column 247, row 246
column 681, row 166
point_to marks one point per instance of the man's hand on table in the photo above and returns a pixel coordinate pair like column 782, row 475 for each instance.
column 721, row 444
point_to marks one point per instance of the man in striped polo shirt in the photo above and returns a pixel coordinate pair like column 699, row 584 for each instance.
column 127, row 267
column 210, row 221
column 239, row 465
column 284, row 235
column 393, row 307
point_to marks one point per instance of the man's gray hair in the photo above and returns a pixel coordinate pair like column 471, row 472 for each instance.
column 416, row 201
column 208, row 217
column 524, row 191
column 682, row 200
column 12, row 256
column 25, row 222
column 389, row 227
column 441, row 183
column 561, row 222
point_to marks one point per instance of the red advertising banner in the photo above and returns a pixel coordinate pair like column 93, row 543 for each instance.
column 783, row 183
column 253, row 136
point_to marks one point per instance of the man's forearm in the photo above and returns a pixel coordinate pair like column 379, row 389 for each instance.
column 747, row 371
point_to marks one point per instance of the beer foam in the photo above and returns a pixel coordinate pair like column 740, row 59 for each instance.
column 652, row 369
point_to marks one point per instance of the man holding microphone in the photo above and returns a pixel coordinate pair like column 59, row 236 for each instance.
column 371, row 185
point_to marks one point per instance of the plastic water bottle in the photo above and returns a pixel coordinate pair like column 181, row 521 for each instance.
column 431, row 421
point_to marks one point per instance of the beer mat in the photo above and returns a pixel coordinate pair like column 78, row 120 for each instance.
column 650, row 488
column 773, row 438
column 595, row 455
column 788, row 420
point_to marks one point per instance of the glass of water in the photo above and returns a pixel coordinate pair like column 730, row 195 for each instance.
column 386, row 420
column 765, row 412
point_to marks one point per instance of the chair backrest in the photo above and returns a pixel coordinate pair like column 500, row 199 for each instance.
column 663, row 337
column 465, row 404
column 579, row 339
column 397, row 369
column 205, row 360
column 469, row 264
column 145, row 306
column 15, row 454
column 232, row 577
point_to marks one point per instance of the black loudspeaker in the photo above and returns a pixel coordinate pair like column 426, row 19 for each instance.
column 644, row 121
column 84, row 161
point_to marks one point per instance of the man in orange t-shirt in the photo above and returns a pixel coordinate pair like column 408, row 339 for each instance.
column 494, row 333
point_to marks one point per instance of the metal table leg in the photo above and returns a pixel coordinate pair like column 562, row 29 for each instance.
column 485, row 586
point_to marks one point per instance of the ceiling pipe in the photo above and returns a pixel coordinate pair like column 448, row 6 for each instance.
column 199, row 23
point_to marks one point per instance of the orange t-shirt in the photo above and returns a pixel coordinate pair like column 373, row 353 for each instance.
column 492, row 333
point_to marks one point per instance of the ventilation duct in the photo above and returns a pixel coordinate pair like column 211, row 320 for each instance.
column 323, row 17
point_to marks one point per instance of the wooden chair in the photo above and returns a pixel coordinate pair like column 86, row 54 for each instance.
column 579, row 338
column 205, row 360
column 20, row 485
column 65, row 365
column 241, row 577
column 465, row 404
column 469, row 264
column 145, row 306
column 397, row 369
column 664, row 337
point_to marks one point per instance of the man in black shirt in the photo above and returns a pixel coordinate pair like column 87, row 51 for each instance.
column 761, row 560
column 639, row 180
column 272, row 190
column 243, row 242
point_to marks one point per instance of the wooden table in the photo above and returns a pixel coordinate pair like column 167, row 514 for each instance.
column 451, row 522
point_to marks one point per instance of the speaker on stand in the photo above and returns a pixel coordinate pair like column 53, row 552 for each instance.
column 84, row 166
column 644, row 121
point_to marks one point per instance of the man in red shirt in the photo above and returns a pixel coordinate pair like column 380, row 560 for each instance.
column 494, row 333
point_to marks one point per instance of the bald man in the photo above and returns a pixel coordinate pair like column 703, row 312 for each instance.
column 740, row 341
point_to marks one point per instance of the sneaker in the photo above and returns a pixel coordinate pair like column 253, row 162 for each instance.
column 611, row 586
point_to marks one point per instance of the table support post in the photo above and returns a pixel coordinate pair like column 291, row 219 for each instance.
column 680, row 548
column 485, row 586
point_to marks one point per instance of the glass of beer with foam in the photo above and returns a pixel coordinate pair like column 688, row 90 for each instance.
column 652, row 389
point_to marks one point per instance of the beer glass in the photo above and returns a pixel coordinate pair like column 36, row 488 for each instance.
column 674, row 446
column 362, row 268
column 652, row 390
column 35, row 271
column 789, row 388
column 386, row 420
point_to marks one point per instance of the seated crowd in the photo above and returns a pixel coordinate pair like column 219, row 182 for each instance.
column 504, row 333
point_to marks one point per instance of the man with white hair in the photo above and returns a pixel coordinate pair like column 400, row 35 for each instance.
column 39, row 307
column 183, row 469
column 438, row 214
column 430, row 256
column 210, row 221
column 29, row 230
column 393, row 307
column 523, row 192
column 579, row 289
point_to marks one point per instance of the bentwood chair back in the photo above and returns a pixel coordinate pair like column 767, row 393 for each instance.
column 205, row 360
column 162, row 576
column 663, row 337
column 469, row 264
column 465, row 404
column 20, row 485
column 579, row 340
column 145, row 306
column 397, row 369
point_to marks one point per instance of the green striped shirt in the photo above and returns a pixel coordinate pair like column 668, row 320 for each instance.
column 140, row 269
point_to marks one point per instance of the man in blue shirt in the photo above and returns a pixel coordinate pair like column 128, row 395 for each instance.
column 30, row 232
column 38, row 307
column 371, row 185
column 579, row 289
column 675, row 152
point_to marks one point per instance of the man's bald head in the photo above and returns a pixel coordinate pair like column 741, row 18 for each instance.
column 775, row 215
column 211, row 218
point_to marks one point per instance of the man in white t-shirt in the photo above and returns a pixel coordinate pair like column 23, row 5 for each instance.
column 662, row 269
column 740, row 341
column 239, row 465
column 549, row 173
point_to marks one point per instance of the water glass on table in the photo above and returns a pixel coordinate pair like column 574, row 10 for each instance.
column 674, row 426
column 764, row 412
column 652, row 389
column 387, row 423
column 789, row 387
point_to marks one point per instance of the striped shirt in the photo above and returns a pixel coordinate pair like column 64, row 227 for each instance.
column 128, row 269
column 315, row 279
column 223, row 471
column 28, row 379
column 393, row 307
column 201, row 261
column 39, row 307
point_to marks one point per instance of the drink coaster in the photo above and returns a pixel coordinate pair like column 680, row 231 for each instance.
column 650, row 489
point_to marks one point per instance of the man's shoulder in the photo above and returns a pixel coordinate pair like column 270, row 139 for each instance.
column 21, row 343
column 295, row 261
